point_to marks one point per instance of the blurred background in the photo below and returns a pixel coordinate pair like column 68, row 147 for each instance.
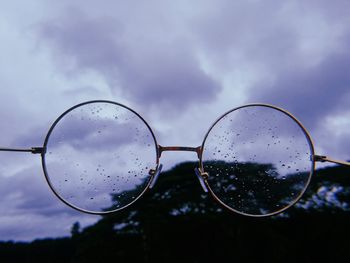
column 180, row 64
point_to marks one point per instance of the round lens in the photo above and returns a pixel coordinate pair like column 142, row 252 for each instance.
column 259, row 160
column 98, row 156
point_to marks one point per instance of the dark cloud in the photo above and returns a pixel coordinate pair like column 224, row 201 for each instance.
column 170, row 76
column 90, row 135
column 338, row 147
column 310, row 93
column 149, row 72
column 246, row 35
column 27, row 191
column 29, row 207
column 93, row 126
column 295, row 51
column 163, row 55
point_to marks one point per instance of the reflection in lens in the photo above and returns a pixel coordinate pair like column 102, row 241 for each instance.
column 98, row 157
column 258, row 159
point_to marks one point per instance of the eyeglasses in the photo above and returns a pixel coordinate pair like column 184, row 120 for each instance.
column 100, row 156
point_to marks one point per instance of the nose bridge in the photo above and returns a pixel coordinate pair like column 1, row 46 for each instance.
column 162, row 149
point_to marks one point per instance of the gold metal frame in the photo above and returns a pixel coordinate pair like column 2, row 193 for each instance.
column 307, row 135
column 47, row 177
column 202, row 175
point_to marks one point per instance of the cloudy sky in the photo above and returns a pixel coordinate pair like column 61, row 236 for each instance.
column 180, row 64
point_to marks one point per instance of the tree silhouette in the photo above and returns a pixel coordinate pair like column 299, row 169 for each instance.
column 177, row 222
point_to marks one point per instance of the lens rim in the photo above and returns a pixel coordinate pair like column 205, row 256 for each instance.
column 308, row 138
column 44, row 167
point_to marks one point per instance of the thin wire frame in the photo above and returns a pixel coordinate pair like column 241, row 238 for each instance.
column 47, row 177
column 307, row 136
column 160, row 149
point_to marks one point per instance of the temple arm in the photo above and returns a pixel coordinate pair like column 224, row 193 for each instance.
column 322, row 159
column 34, row 150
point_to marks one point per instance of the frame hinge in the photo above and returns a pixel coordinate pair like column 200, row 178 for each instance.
column 320, row 158
column 37, row 150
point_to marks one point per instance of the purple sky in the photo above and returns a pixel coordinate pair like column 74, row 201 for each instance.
column 178, row 63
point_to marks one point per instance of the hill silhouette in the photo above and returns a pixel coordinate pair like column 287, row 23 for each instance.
column 177, row 222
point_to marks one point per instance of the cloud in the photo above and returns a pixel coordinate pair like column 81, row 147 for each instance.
column 293, row 54
column 27, row 203
column 186, row 60
column 148, row 72
column 26, row 191
column 311, row 93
